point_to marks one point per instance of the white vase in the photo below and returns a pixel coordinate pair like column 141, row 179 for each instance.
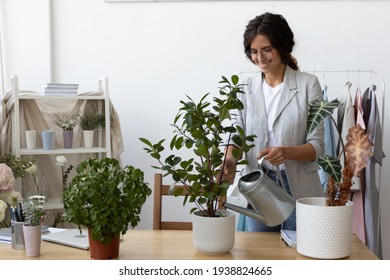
column 323, row 232
column 32, row 240
column 213, row 235
column 31, row 139
column 88, row 138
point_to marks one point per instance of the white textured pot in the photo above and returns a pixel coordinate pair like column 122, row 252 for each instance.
column 213, row 235
column 88, row 138
column 323, row 232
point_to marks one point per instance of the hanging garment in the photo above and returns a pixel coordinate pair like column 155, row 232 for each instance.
column 371, row 197
column 345, row 116
column 358, row 186
column 329, row 138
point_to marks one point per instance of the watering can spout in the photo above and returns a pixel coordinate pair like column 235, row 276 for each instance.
column 245, row 211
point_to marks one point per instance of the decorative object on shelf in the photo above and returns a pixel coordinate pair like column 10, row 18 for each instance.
column 32, row 228
column 89, row 121
column 48, row 139
column 68, row 139
column 67, row 121
column 59, row 89
column 203, row 129
column 31, row 139
column 105, row 198
column 317, row 219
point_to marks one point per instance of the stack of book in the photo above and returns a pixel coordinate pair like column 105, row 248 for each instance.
column 59, row 89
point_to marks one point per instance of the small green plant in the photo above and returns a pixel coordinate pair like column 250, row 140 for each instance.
column 105, row 197
column 33, row 210
column 91, row 118
column 356, row 153
column 66, row 120
column 206, row 129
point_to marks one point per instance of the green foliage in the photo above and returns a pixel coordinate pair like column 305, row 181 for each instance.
column 18, row 165
column 105, row 197
column 91, row 118
column 199, row 127
column 318, row 111
column 33, row 210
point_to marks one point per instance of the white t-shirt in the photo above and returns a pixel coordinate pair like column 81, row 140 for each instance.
column 272, row 96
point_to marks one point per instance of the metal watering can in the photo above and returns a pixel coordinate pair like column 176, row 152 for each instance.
column 272, row 204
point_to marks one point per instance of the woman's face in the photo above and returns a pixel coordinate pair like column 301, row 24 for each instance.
column 264, row 55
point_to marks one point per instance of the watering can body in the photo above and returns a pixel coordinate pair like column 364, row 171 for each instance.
column 271, row 204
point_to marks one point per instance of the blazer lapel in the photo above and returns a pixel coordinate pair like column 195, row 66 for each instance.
column 289, row 93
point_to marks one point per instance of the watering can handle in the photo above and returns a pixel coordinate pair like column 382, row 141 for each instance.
column 278, row 172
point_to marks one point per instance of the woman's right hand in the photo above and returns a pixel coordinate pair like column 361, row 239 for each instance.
column 229, row 171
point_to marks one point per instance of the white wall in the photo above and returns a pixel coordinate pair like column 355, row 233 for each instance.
column 155, row 53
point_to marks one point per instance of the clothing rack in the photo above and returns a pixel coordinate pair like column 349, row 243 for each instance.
column 358, row 72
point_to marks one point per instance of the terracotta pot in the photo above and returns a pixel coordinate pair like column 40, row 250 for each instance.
column 101, row 251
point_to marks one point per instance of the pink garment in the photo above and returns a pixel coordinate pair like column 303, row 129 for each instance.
column 358, row 191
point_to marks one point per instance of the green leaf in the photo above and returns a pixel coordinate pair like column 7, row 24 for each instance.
column 146, row 141
column 235, row 79
column 318, row 110
column 332, row 166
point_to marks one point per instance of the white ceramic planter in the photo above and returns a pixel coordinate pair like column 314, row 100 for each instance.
column 323, row 232
column 214, row 236
column 31, row 139
column 32, row 239
column 88, row 138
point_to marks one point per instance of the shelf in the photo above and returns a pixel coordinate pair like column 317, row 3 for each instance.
column 27, row 152
column 61, row 97
column 22, row 101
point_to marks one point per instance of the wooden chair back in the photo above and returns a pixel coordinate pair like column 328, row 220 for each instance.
column 160, row 191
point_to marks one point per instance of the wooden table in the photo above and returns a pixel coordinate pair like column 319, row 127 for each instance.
column 177, row 245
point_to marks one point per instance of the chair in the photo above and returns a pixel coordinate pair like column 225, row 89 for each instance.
column 161, row 190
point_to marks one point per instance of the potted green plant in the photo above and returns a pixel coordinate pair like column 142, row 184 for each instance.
column 89, row 121
column 204, row 128
column 66, row 121
column 324, row 224
column 107, row 199
column 32, row 228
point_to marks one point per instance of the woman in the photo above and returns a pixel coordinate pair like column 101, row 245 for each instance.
column 275, row 110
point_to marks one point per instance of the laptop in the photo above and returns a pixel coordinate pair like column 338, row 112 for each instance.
column 69, row 237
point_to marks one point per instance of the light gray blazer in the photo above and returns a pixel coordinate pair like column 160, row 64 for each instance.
column 289, row 127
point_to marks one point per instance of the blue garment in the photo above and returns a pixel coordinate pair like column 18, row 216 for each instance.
column 290, row 224
column 330, row 143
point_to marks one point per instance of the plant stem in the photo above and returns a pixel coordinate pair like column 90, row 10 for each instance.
column 35, row 182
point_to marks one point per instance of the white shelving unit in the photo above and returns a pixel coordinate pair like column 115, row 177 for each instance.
column 102, row 150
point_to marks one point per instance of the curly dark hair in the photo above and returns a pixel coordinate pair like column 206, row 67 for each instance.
column 276, row 28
